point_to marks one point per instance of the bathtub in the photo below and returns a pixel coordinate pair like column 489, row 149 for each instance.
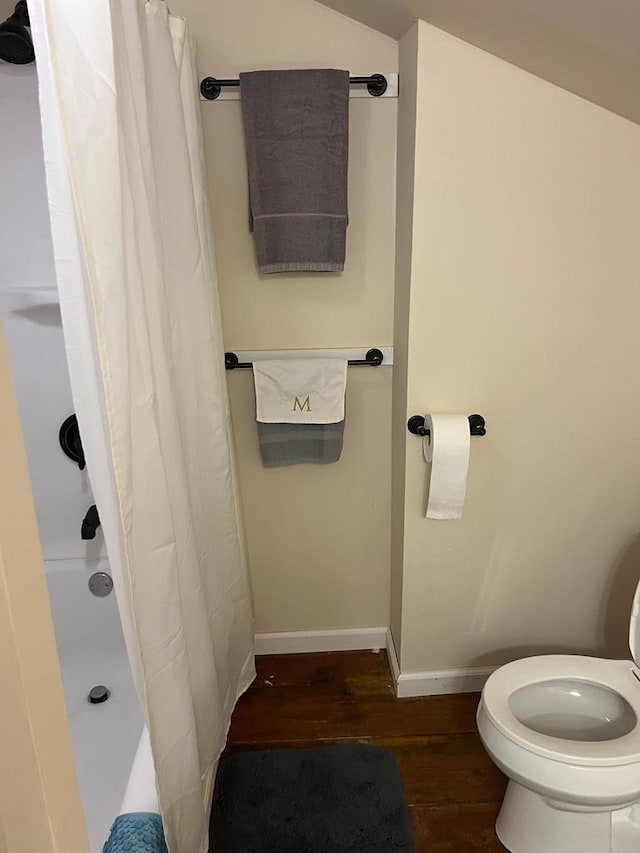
column 110, row 743
column 106, row 737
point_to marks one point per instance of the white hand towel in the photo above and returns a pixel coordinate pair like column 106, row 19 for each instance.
column 300, row 391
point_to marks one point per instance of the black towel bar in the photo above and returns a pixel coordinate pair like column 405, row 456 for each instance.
column 373, row 358
column 416, row 426
column 210, row 87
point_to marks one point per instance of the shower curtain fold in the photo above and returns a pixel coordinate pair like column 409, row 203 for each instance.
column 134, row 261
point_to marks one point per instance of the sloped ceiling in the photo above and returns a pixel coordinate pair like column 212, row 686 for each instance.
column 589, row 47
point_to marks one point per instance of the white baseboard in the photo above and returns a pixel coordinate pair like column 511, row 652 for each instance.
column 468, row 679
column 338, row 640
column 392, row 656
column 407, row 684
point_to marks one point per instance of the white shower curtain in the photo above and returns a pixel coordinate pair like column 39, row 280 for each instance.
column 134, row 260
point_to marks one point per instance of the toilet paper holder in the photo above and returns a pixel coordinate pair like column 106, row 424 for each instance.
column 416, row 426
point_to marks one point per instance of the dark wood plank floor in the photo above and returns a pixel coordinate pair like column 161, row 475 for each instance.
column 452, row 788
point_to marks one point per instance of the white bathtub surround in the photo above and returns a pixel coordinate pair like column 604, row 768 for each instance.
column 91, row 650
column 140, row 794
column 144, row 345
column 61, row 491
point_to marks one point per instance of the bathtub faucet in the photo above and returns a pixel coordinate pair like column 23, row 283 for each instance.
column 90, row 523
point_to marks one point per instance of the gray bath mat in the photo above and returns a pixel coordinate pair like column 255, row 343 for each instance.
column 334, row 799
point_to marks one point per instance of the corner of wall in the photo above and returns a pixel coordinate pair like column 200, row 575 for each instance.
column 406, row 153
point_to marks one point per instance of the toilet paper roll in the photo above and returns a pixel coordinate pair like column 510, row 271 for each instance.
column 447, row 450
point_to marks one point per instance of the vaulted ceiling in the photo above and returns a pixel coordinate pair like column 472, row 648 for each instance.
column 590, row 47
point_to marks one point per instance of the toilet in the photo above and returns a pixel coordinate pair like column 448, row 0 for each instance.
column 565, row 730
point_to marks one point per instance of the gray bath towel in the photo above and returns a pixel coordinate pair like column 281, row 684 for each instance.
column 294, row 444
column 296, row 126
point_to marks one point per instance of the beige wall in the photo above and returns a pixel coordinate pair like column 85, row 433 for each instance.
column 525, row 306
column 318, row 537
column 39, row 800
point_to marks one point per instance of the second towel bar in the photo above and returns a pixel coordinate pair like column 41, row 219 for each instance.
column 373, row 358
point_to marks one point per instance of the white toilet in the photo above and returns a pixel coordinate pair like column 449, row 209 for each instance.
column 565, row 729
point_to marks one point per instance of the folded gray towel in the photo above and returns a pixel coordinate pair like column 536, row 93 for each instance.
column 296, row 126
column 293, row 444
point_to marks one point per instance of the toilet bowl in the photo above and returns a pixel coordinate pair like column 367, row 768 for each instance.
column 565, row 730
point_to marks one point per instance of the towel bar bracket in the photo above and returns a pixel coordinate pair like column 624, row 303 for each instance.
column 376, row 85
column 416, row 426
column 373, row 358
column 232, row 362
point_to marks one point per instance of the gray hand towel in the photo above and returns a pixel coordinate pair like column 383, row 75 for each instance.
column 296, row 126
column 294, row 444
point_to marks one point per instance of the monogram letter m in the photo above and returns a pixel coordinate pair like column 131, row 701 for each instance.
column 301, row 407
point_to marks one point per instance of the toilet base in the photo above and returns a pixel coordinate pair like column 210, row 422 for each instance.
column 530, row 823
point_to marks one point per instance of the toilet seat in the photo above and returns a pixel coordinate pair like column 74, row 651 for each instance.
column 615, row 675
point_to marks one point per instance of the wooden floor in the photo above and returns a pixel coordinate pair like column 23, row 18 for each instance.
column 452, row 788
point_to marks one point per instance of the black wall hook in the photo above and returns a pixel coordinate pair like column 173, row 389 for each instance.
column 416, row 426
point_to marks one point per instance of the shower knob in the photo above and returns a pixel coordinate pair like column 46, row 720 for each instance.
column 70, row 441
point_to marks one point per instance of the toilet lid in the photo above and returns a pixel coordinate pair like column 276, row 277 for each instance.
column 634, row 627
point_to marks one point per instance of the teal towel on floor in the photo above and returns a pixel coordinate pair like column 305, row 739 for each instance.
column 138, row 832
